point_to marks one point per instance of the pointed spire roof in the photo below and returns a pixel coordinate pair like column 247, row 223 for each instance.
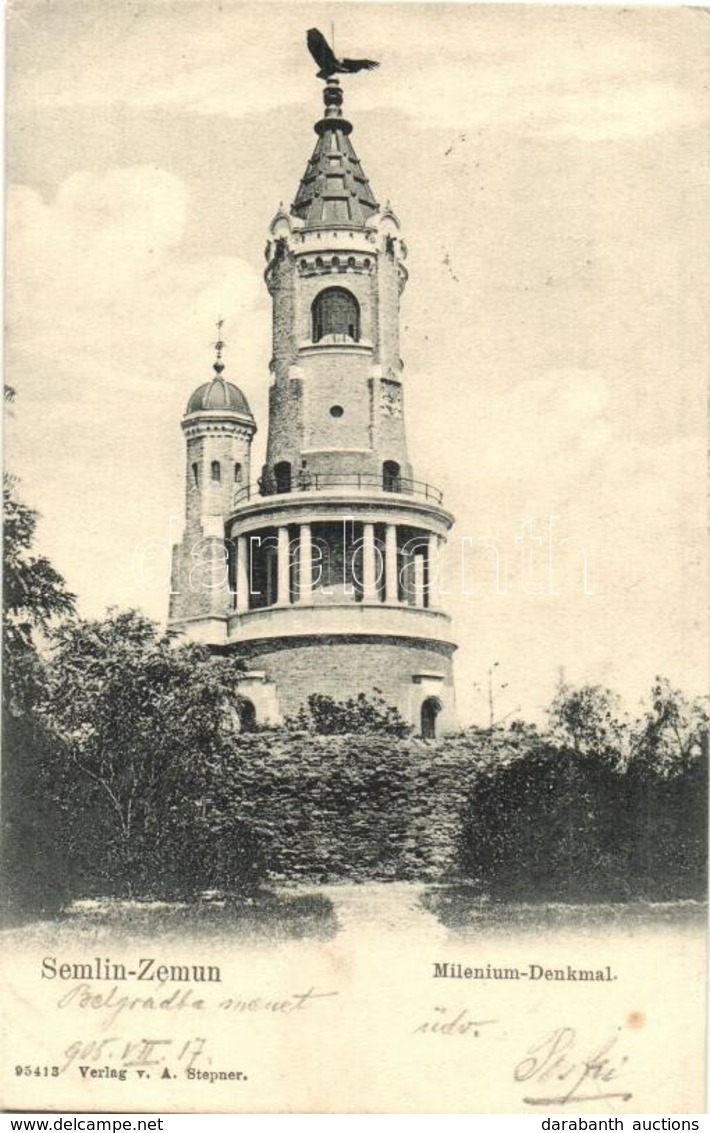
column 334, row 191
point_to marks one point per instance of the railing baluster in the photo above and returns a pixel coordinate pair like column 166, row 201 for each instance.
column 319, row 481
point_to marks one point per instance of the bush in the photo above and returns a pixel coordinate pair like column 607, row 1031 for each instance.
column 557, row 825
column 329, row 717
column 34, row 867
column 137, row 732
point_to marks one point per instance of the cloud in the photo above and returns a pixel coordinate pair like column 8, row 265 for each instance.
column 514, row 95
column 585, row 74
column 541, row 434
column 591, row 75
column 97, row 277
column 100, row 231
column 110, row 328
column 175, row 58
column 219, row 88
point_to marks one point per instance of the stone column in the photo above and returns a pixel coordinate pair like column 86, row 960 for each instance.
column 433, row 571
column 418, row 579
column 305, row 565
column 271, row 581
column 242, row 575
column 391, row 571
column 369, row 587
column 283, row 594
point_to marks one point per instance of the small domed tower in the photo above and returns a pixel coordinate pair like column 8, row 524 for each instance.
column 219, row 428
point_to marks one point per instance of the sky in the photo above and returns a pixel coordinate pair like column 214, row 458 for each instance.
column 549, row 169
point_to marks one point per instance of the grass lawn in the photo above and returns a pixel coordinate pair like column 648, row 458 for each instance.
column 322, row 912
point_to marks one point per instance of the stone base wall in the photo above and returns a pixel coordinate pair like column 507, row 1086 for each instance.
column 406, row 671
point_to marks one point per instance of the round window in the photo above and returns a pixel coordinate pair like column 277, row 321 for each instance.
column 336, row 411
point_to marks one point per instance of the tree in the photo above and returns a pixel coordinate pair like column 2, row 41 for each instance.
column 35, row 595
column 139, row 726
column 587, row 720
column 670, row 736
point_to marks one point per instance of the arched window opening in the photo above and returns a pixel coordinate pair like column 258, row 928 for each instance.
column 282, row 475
column 430, row 710
column 216, row 472
column 237, row 473
column 335, row 311
column 247, row 715
column 196, row 475
column 391, row 481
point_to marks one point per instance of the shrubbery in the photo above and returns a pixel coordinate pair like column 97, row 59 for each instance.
column 35, row 864
column 123, row 775
column 34, row 595
column 138, row 728
column 558, row 825
column 356, row 807
column 355, row 716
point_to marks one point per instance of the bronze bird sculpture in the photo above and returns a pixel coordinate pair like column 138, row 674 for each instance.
column 327, row 62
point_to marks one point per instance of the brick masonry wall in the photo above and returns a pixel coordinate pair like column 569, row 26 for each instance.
column 299, row 408
column 199, row 574
column 344, row 667
column 284, row 335
column 199, row 580
column 343, row 380
column 387, row 300
column 285, row 423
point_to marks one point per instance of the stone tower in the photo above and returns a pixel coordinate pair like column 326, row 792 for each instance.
column 332, row 554
column 219, row 428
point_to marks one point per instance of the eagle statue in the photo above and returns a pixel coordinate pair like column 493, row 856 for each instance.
column 325, row 57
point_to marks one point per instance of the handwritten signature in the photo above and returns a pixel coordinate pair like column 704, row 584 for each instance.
column 556, row 1058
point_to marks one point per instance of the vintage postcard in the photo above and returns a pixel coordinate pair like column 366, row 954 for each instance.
column 354, row 672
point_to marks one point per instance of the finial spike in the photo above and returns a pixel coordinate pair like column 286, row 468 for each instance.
column 218, row 365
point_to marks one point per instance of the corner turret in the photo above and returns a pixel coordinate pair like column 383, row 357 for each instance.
column 219, row 428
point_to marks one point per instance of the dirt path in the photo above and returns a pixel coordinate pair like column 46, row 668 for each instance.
column 381, row 909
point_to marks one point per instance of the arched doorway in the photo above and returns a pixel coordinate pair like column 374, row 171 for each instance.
column 430, row 710
column 247, row 715
column 390, row 476
column 282, row 475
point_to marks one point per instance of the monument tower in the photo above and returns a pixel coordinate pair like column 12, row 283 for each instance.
column 321, row 572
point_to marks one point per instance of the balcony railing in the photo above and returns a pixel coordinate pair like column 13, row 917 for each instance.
column 325, row 481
